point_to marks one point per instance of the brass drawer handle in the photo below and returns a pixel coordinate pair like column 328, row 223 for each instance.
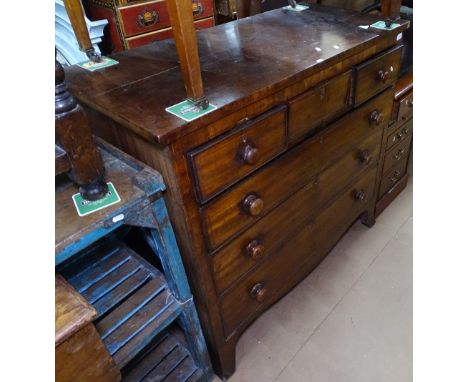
column 360, row 195
column 258, row 292
column 252, row 205
column 197, row 8
column 376, row 117
column 255, row 249
column 383, row 75
column 395, row 177
column 405, row 131
column 250, row 154
column 399, row 154
column 365, row 157
column 147, row 18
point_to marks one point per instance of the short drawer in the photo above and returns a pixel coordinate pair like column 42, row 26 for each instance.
column 399, row 153
column 142, row 18
column 252, row 198
column 264, row 285
column 392, row 177
column 228, row 159
column 153, row 15
column 313, row 109
column 405, row 108
column 264, row 237
column 378, row 73
column 400, row 134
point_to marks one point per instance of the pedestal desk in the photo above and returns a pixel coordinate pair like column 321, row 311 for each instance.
column 263, row 187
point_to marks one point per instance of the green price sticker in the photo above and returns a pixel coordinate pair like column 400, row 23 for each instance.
column 188, row 111
column 381, row 25
column 85, row 207
column 92, row 66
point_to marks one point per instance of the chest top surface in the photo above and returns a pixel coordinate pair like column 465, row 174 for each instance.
column 241, row 62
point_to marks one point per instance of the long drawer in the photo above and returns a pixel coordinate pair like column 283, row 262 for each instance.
column 251, row 199
column 228, row 159
column 265, row 236
column 375, row 75
column 293, row 261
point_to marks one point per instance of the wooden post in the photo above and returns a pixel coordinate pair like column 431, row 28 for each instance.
column 76, row 14
column 74, row 133
column 246, row 8
column 391, row 8
column 183, row 28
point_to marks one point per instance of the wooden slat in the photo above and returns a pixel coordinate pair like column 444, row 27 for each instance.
column 129, row 307
column 95, row 291
column 125, row 289
column 160, row 372
column 89, row 274
column 184, row 370
column 151, row 359
column 195, row 377
column 142, row 338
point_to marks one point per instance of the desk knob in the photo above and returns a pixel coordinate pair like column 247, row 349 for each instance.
column 376, row 117
column 252, row 204
column 365, row 157
column 360, row 195
column 383, row 75
column 254, row 249
column 258, row 292
column 250, row 154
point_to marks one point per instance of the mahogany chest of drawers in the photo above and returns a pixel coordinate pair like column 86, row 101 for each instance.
column 263, row 187
column 134, row 23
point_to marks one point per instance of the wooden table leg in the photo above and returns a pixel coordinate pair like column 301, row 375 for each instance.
column 76, row 14
column 183, row 28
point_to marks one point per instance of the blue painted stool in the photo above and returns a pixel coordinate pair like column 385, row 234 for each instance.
column 135, row 302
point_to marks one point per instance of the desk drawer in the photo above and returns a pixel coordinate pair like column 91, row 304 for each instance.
column 316, row 107
column 225, row 215
column 153, row 15
column 392, row 177
column 378, row 73
column 265, row 236
column 226, row 160
column 405, row 108
column 399, row 153
column 400, row 134
column 274, row 277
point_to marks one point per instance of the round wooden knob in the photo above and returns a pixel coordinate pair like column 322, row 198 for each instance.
column 365, row 157
column 360, row 195
column 254, row 249
column 250, row 154
column 376, row 117
column 383, row 75
column 252, row 204
column 258, row 292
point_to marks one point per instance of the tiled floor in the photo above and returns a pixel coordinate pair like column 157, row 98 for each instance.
column 348, row 321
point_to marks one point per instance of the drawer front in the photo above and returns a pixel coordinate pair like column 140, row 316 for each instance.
column 265, row 236
column 226, row 215
column 143, row 39
column 378, row 73
column 294, row 260
column 228, row 159
column 398, row 154
column 153, row 15
column 318, row 106
column 392, row 177
column 405, row 108
column 146, row 17
column 400, row 134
